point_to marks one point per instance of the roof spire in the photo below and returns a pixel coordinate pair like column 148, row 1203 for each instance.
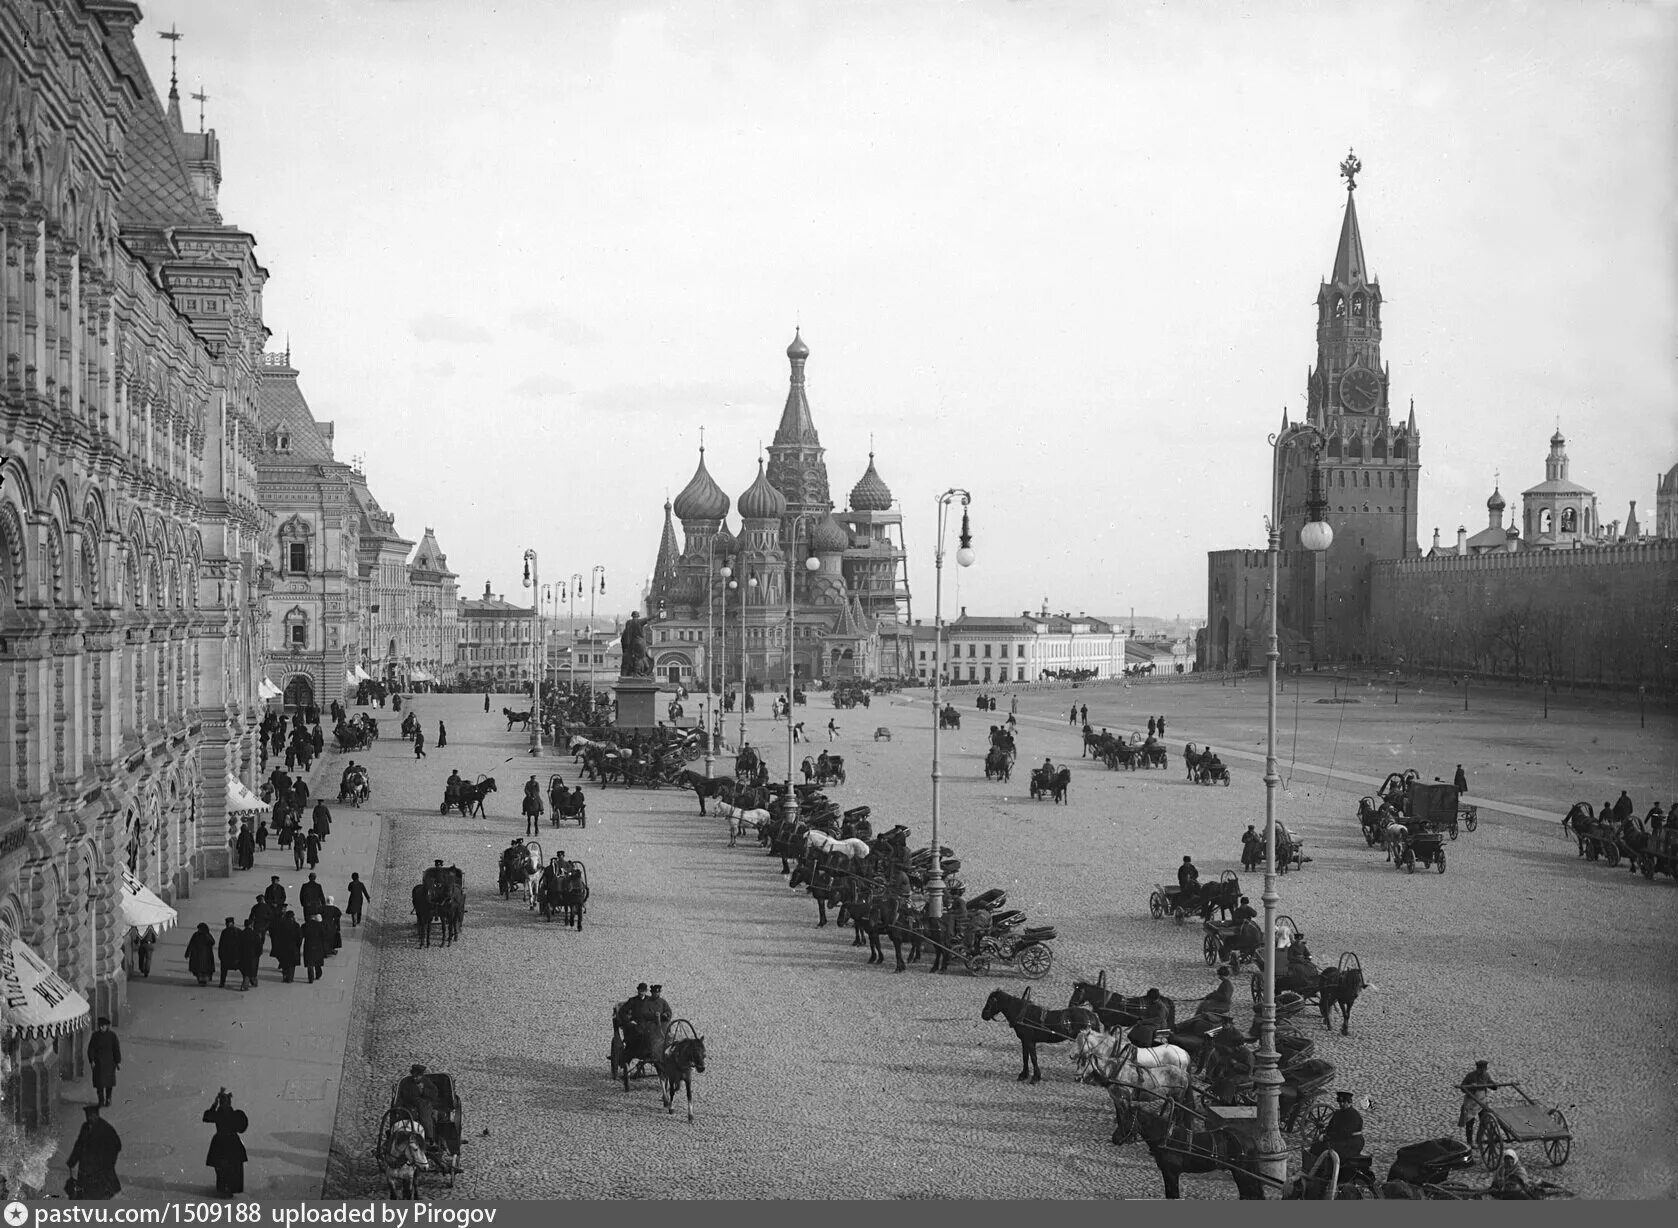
column 1348, row 257
column 201, row 98
column 174, row 36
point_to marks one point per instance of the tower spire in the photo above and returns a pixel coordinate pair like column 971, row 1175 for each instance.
column 1348, row 257
column 174, row 36
column 201, row 97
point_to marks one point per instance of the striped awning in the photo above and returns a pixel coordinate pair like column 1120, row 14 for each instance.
column 35, row 1002
column 141, row 907
column 241, row 800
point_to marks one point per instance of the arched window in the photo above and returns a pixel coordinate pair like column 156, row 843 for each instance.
column 1569, row 520
column 1545, row 520
column 1401, row 448
column 297, row 628
column 1380, row 450
column 1334, row 448
column 1357, row 305
column 1355, row 448
column 1339, row 307
column 1366, row 481
column 1341, row 476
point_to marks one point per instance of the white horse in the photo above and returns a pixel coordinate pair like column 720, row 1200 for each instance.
column 1158, row 1072
column 738, row 820
column 404, row 1159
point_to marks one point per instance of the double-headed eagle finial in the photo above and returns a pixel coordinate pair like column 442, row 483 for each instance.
column 1349, row 170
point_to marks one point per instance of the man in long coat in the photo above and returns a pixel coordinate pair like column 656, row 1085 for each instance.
column 94, row 1157
column 314, row 947
column 287, row 945
column 274, row 893
column 201, row 953
column 246, row 847
column 311, row 850
column 230, row 948
column 227, row 1153
column 250, row 955
column 104, row 1055
column 311, row 896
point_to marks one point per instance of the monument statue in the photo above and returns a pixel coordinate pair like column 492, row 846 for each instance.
column 637, row 648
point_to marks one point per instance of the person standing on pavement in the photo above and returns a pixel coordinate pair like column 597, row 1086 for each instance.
column 333, row 918
column 1462, row 780
column 245, row 846
column 297, row 849
column 317, row 739
column 201, row 953
column 322, row 820
column 104, row 1055
column 144, row 946
column 94, row 1157
column 311, row 850
column 1162, row 727
column 486, row 701
column 442, row 735
column 314, row 948
column 286, row 945
column 230, row 949
column 310, row 896
column 419, row 743
column 262, row 916
column 1153, row 727
column 250, row 956
column 227, row 1153
column 274, row 893
column 358, row 898
column 1084, row 713
column 832, row 728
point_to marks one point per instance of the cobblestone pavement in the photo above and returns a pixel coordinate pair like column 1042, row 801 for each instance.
column 828, row 1078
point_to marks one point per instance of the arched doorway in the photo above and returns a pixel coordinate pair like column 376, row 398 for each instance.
column 299, row 691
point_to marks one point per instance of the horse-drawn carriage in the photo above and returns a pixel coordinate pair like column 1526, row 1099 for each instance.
column 406, row 1149
column 850, row 693
column 355, row 787
column 566, row 805
column 1204, row 766
column 467, row 797
column 1052, row 782
column 1407, row 798
column 1659, row 855
column 562, row 888
column 828, row 770
column 1011, row 943
column 357, row 733
column 520, row 863
column 1290, row 849
column 1416, row 841
column 1298, row 976
column 1222, row 895
column 949, row 718
column 675, row 1050
column 439, row 900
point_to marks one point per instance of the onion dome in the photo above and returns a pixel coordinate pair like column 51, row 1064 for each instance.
column 829, row 537
column 1558, row 440
column 797, row 349
column 1496, row 503
column 761, row 500
column 702, row 498
column 871, row 494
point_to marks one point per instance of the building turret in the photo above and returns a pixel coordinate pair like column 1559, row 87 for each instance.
column 871, row 494
column 796, row 465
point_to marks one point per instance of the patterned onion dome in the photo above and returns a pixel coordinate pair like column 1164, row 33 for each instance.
column 702, row 498
column 1496, row 501
column 829, row 537
column 871, row 494
column 761, row 500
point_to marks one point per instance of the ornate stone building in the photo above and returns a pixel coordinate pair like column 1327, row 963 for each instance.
column 434, row 641
column 387, row 601
column 495, row 642
column 129, row 523
column 850, row 610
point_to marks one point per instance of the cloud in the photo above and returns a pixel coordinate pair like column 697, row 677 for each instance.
column 555, row 325
column 435, row 326
column 538, row 387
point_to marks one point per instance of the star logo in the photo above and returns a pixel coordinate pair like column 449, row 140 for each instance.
column 16, row 1214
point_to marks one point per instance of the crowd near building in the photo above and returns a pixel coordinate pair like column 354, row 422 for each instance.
column 178, row 542
column 1553, row 593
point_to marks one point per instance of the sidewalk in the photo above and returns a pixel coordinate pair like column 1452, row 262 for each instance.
column 279, row 1049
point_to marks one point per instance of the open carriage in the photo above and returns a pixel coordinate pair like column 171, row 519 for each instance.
column 1417, row 841
column 566, row 805
column 1502, row 1124
column 407, row 1152
column 519, row 867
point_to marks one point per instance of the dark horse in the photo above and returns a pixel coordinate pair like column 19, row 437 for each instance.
column 573, row 897
column 676, row 1068
column 1340, row 987
column 441, row 903
column 1036, row 1026
column 811, row 873
column 1178, row 1148
column 469, row 798
column 1055, row 784
column 705, row 786
column 521, row 719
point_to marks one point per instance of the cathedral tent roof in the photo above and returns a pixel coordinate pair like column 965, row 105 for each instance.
column 702, row 498
column 871, row 494
column 797, row 426
column 158, row 191
column 1348, row 257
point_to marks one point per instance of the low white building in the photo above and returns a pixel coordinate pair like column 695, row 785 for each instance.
column 1027, row 648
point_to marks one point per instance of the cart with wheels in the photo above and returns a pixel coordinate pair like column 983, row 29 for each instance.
column 1504, row 1123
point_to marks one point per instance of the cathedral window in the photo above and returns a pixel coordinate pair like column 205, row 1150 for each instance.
column 1544, row 520
column 1569, row 520
column 1366, row 481
column 1339, row 307
column 1355, row 448
column 1357, row 306
column 1401, row 448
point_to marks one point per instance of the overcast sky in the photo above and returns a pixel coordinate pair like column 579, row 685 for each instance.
column 1061, row 254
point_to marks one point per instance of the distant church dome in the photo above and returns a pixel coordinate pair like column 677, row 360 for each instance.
column 797, row 349
column 761, row 500
column 1496, row 503
column 1557, row 440
column 829, row 537
column 871, row 494
column 702, row 498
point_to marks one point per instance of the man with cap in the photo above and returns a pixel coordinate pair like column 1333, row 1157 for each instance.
column 1153, row 1018
column 625, row 1018
column 1252, row 849
column 416, row 1094
column 274, row 893
column 104, row 1055
column 94, row 1157
column 1220, row 1003
column 1474, row 1086
column 657, row 1009
column 314, row 947
column 1343, row 1134
column 451, row 789
column 311, row 896
column 250, row 955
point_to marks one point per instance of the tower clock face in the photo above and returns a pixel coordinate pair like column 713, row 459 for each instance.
column 1360, row 390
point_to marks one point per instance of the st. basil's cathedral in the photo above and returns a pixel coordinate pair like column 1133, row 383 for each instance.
column 850, row 611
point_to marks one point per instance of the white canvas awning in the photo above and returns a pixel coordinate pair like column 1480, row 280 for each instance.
column 35, row 1002
column 241, row 800
column 141, row 906
column 362, row 675
column 267, row 690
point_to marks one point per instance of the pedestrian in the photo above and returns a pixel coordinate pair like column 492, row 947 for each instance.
column 143, row 948
column 1623, row 808
column 1474, row 1086
column 287, row 945
column 312, row 849
column 1013, row 704
column 250, row 956
column 1084, row 714
column 94, row 1157
column 1153, row 727
column 104, row 1055
column 358, row 898
column 227, row 1153
column 275, row 893
column 333, row 918
column 322, row 820
column 314, row 948
column 245, row 847
column 442, row 735
column 261, row 836
column 229, row 949
column 1072, row 717
column 1162, row 727
column 310, row 896
column 297, row 849
column 486, row 701
column 1462, row 780
column 201, row 953
column 419, row 744
column 317, row 740
column 832, row 729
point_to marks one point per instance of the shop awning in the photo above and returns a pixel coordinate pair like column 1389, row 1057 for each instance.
column 362, row 675
column 267, row 690
column 241, row 800
column 419, row 675
column 35, row 1002
column 141, row 906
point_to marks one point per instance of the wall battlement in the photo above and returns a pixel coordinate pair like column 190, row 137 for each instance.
column 1632, row 554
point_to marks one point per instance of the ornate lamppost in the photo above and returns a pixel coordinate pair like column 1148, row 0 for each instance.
column 964, row 556
column 1316, row 536
column 751, row 587
column 789, row 802
column 597, row 585
column 727, row 574
column 532, row 581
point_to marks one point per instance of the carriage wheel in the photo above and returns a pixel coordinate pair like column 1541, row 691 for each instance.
column 1440, row 864
column 1156, row 906
column 1490, row 1141
column 978, row 965
column 1556, row 1150
column 1471, row 818
column 1611, row 854
column 1209, row 949
column 1316, row 1121
column 1035, row 959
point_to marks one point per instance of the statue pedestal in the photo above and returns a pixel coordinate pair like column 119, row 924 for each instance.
column 637, row 702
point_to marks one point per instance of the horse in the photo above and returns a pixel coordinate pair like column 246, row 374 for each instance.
column 1126, row 1070
column 447, row 905
column 817, row 878
column 1114, row 1009
column 704, row 786
column 883, row 914
column 1179, row 1148
column 547, row 891
column 1053, row 784
column 1036, row 1026
column 422, row 913
column 573, row 896
column 404, row 1159
column 997, row 764
column 521, row 719
column 469, row 798
column 676, row 1066
column 739, row 820
column 1340, row 987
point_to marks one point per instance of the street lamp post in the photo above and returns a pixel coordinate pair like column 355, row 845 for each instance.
column 573, row 594
column 593, row 590
column 728, row 582
column 964, row 556
column 1316, row 536
column 533, row 581
column 751, row 586
column 789, row 803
